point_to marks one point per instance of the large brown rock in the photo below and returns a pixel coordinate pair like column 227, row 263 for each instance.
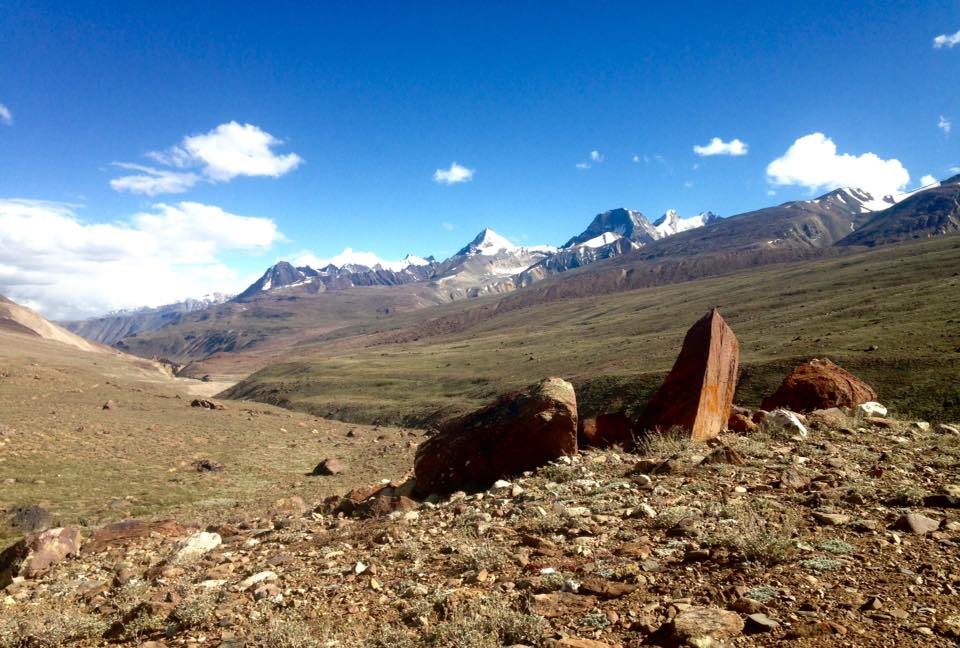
column 819, row 384
column 697, row 395
column 520, row 431
column 36, row 553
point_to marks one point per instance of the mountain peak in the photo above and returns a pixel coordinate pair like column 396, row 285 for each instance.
column 488, row 243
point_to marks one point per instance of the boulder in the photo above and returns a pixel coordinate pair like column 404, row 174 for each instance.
column 36, row 553
column 607, row 430
column 328, row 467
column 819, row 384
column 697, row 395
column 520, row 431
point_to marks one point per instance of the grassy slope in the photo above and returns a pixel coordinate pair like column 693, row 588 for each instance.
column 616, row 348
column 61, row 450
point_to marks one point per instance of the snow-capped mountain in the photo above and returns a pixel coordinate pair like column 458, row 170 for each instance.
column 672, row 223
column 487, row 243
column 629, row 224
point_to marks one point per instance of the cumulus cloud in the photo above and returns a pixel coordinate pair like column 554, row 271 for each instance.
column 945, row 125
column 927, row 180
column 6, row 116
column 66, row 267
column 946, row 40
column 153, row 182
column 718, row 147
column 812, row 162
column 220, row 155
column 454, row 175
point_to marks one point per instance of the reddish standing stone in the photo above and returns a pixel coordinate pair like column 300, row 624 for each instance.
column 520, row 431
column 819, row 384
column 697, row 395
column 606, row 430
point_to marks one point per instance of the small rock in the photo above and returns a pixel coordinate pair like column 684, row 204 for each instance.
column 760, row 622
column 194, row 548
column 30, row 518
column 260, row 577
column 916, row 524
column 206, row 404
column 784, row 421
column 699, row 627
column 207, row 465
column 328, row 467
column 943, row 428
column 110, row 405
column 831, row 519
column 872, row 408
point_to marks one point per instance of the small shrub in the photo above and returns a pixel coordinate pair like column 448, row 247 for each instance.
column 762, row 594
column 821, row 564
column 835, row 546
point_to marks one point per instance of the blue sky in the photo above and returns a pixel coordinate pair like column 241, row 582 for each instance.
column 361, row 103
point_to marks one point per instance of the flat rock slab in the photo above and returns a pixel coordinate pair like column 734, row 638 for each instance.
column 916, row 524
column 120, row 533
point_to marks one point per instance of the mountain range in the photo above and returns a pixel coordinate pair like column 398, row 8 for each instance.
column 620, row 249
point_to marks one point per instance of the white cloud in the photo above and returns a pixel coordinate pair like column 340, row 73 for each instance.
column 594, row 157
column 945, row 124
column 447, row 226
column 812, row 161
column 227, row 151
column 153, row 182
column 5, row 115
column 688, row 184
column 454, row 175
column 351, row 256
column 636, row 158
column 718, row 147
column 927, row 180
column 946, row 40
column 68, row 267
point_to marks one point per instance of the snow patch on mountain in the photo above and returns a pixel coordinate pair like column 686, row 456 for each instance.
column 672, row 223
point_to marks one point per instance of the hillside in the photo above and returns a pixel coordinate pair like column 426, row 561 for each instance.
column 933, row 212
column 18, row 319
column 102, row 436
column 615, row 348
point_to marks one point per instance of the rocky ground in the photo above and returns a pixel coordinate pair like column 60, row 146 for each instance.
column 848, row 536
